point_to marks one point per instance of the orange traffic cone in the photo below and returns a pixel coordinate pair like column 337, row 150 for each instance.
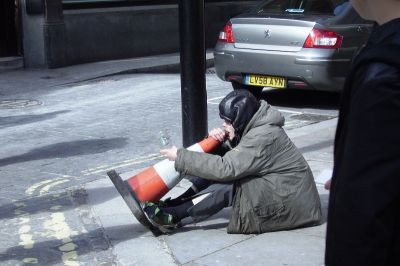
column 153, row 183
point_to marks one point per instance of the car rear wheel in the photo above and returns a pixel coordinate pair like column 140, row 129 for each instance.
column 256, row 90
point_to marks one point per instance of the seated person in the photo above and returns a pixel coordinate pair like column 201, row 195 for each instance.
column 259, row 172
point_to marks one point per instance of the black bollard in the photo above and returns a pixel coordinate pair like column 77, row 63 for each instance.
column 193, row 62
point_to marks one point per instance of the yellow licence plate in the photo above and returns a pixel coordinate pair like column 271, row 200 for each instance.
column 265, row 81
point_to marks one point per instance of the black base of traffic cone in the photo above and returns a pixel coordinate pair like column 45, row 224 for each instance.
column 133, row 203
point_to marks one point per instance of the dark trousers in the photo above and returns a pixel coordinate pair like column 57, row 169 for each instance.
column 220, row 196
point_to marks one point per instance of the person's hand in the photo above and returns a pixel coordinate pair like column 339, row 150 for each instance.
column 170, row 153
column 217, row 134
column 327, row 184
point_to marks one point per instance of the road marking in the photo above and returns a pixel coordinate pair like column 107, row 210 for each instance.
column 138, row 160
column 212, row 100
column 30, row 260
column 24, row 229
column 26, row 241
column 46, row 185
column 25, row 237
column 24, row 220
column 55, row 227
column 55, row 207
column 32, row 188
column 59, row 227
column 67, row 247
column 46, row 189
column 70, row 258
column 61, row 230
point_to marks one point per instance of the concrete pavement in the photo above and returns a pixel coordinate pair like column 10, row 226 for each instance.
column 25, row 80
column 205, row 243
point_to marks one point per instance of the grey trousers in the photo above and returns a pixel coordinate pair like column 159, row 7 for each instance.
column 220, row 196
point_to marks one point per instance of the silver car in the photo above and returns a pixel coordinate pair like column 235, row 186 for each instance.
column 299, row 44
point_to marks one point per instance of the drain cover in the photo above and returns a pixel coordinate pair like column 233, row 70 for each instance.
column 13, row 104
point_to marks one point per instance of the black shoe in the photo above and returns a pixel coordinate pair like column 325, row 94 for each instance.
column 165, row 222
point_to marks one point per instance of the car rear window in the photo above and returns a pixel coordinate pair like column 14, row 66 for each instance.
column 325, row 7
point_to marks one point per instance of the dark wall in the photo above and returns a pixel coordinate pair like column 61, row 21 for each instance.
column 8, row 33
column 124, row 32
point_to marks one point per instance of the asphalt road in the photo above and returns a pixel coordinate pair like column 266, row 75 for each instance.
column 54, row 141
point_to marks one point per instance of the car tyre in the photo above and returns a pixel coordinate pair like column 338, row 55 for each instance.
column 255, row 90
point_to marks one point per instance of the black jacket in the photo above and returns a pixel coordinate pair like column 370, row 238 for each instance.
column 364, row 205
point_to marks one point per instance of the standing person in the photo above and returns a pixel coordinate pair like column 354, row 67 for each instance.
column 261, row 174
column 364, row 205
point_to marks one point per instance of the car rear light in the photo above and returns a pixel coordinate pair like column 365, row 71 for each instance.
column 226, row 35
column 297, row 84
column 319, row 38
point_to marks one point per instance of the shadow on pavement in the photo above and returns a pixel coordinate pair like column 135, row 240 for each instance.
column 302, row 98
column 94, row 241
column 214, row 226
column 219, row 220
column 18, row 120
column 64, row 201
column 67, row 149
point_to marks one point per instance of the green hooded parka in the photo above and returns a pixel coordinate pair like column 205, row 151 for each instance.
column 274, row 186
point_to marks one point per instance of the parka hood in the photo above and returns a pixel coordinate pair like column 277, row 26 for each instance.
column 238, row 108
column 266, row 114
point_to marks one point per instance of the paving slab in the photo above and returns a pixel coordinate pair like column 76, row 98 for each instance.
column 279, row 248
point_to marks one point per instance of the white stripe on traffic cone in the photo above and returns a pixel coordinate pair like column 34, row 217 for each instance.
column 154, row 182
